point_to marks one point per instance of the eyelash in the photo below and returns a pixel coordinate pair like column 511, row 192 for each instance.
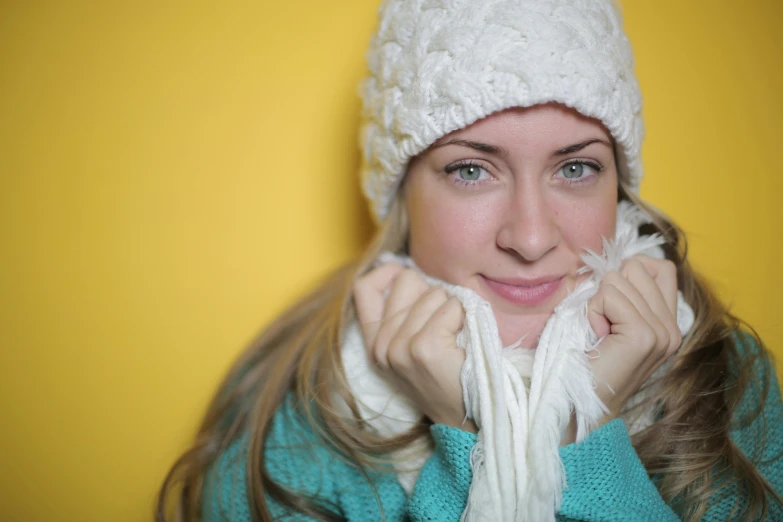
column 462, row 164
column 568, row 181
column 579, row 161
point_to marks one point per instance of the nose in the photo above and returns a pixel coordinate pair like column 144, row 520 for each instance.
column 530, row 229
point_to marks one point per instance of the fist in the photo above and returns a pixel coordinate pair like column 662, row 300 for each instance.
column 636, row 310
column 410, row 331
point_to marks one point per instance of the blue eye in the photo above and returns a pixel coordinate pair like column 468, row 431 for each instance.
column 580, row 170
column 470, row 172
column 573, row 170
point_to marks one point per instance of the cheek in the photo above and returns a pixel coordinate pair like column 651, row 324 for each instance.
column 583, row 226
column 447, row 234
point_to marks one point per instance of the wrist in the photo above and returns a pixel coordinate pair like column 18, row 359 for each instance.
column 569, row 435
column 465, row 425
column 469, row 426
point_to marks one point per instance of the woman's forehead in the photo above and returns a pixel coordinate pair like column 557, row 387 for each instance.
column 538, row 125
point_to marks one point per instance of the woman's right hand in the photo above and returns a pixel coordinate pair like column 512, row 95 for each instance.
column 410, row 331
column 635, row 311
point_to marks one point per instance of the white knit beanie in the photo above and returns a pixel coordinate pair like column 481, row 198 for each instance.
column 439, row 65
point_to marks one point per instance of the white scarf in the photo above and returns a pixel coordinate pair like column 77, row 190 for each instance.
column 520, row 399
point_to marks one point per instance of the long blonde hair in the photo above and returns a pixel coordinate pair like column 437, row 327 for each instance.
column 299, row 353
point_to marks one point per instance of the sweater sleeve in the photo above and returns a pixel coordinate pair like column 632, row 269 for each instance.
column 607, row 481
column 441, row 491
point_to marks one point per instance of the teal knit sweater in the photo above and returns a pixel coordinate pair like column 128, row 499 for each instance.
column 606, row 479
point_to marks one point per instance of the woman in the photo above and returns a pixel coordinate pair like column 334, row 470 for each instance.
column 501, row 143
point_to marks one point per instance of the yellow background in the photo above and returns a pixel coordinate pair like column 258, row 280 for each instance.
column 172, row 175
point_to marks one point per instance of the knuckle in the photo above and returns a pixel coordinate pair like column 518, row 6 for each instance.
column 407, row 274
column 367, row 277
column 379, row 359
column 398, row 357
column 383, row 337
column 420, row 352
column 633, row 265
column 662, row 339
column 607, row 289
column 411, row 277
column 418, row 340
column 647, row 337
column 675, row 340
column 453, row 314
column 419, row 355
column 452, row 305
column 438, row 293
column 610, row 278
column 667, row 265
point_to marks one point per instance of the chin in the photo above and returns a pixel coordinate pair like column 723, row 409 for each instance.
column 513, row 327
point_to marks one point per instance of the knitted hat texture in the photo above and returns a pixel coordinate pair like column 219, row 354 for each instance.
column 437, row 66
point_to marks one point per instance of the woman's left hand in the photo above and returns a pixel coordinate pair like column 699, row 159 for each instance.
column 635, row 312
column 411, row 336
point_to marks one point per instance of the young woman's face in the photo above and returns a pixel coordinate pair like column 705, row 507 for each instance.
column 507, row 205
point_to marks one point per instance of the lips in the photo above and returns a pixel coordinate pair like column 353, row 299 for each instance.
column 524, row 292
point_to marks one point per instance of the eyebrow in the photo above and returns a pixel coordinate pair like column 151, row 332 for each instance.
column 483, row 147
column 579, row 146
column 501, row 151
